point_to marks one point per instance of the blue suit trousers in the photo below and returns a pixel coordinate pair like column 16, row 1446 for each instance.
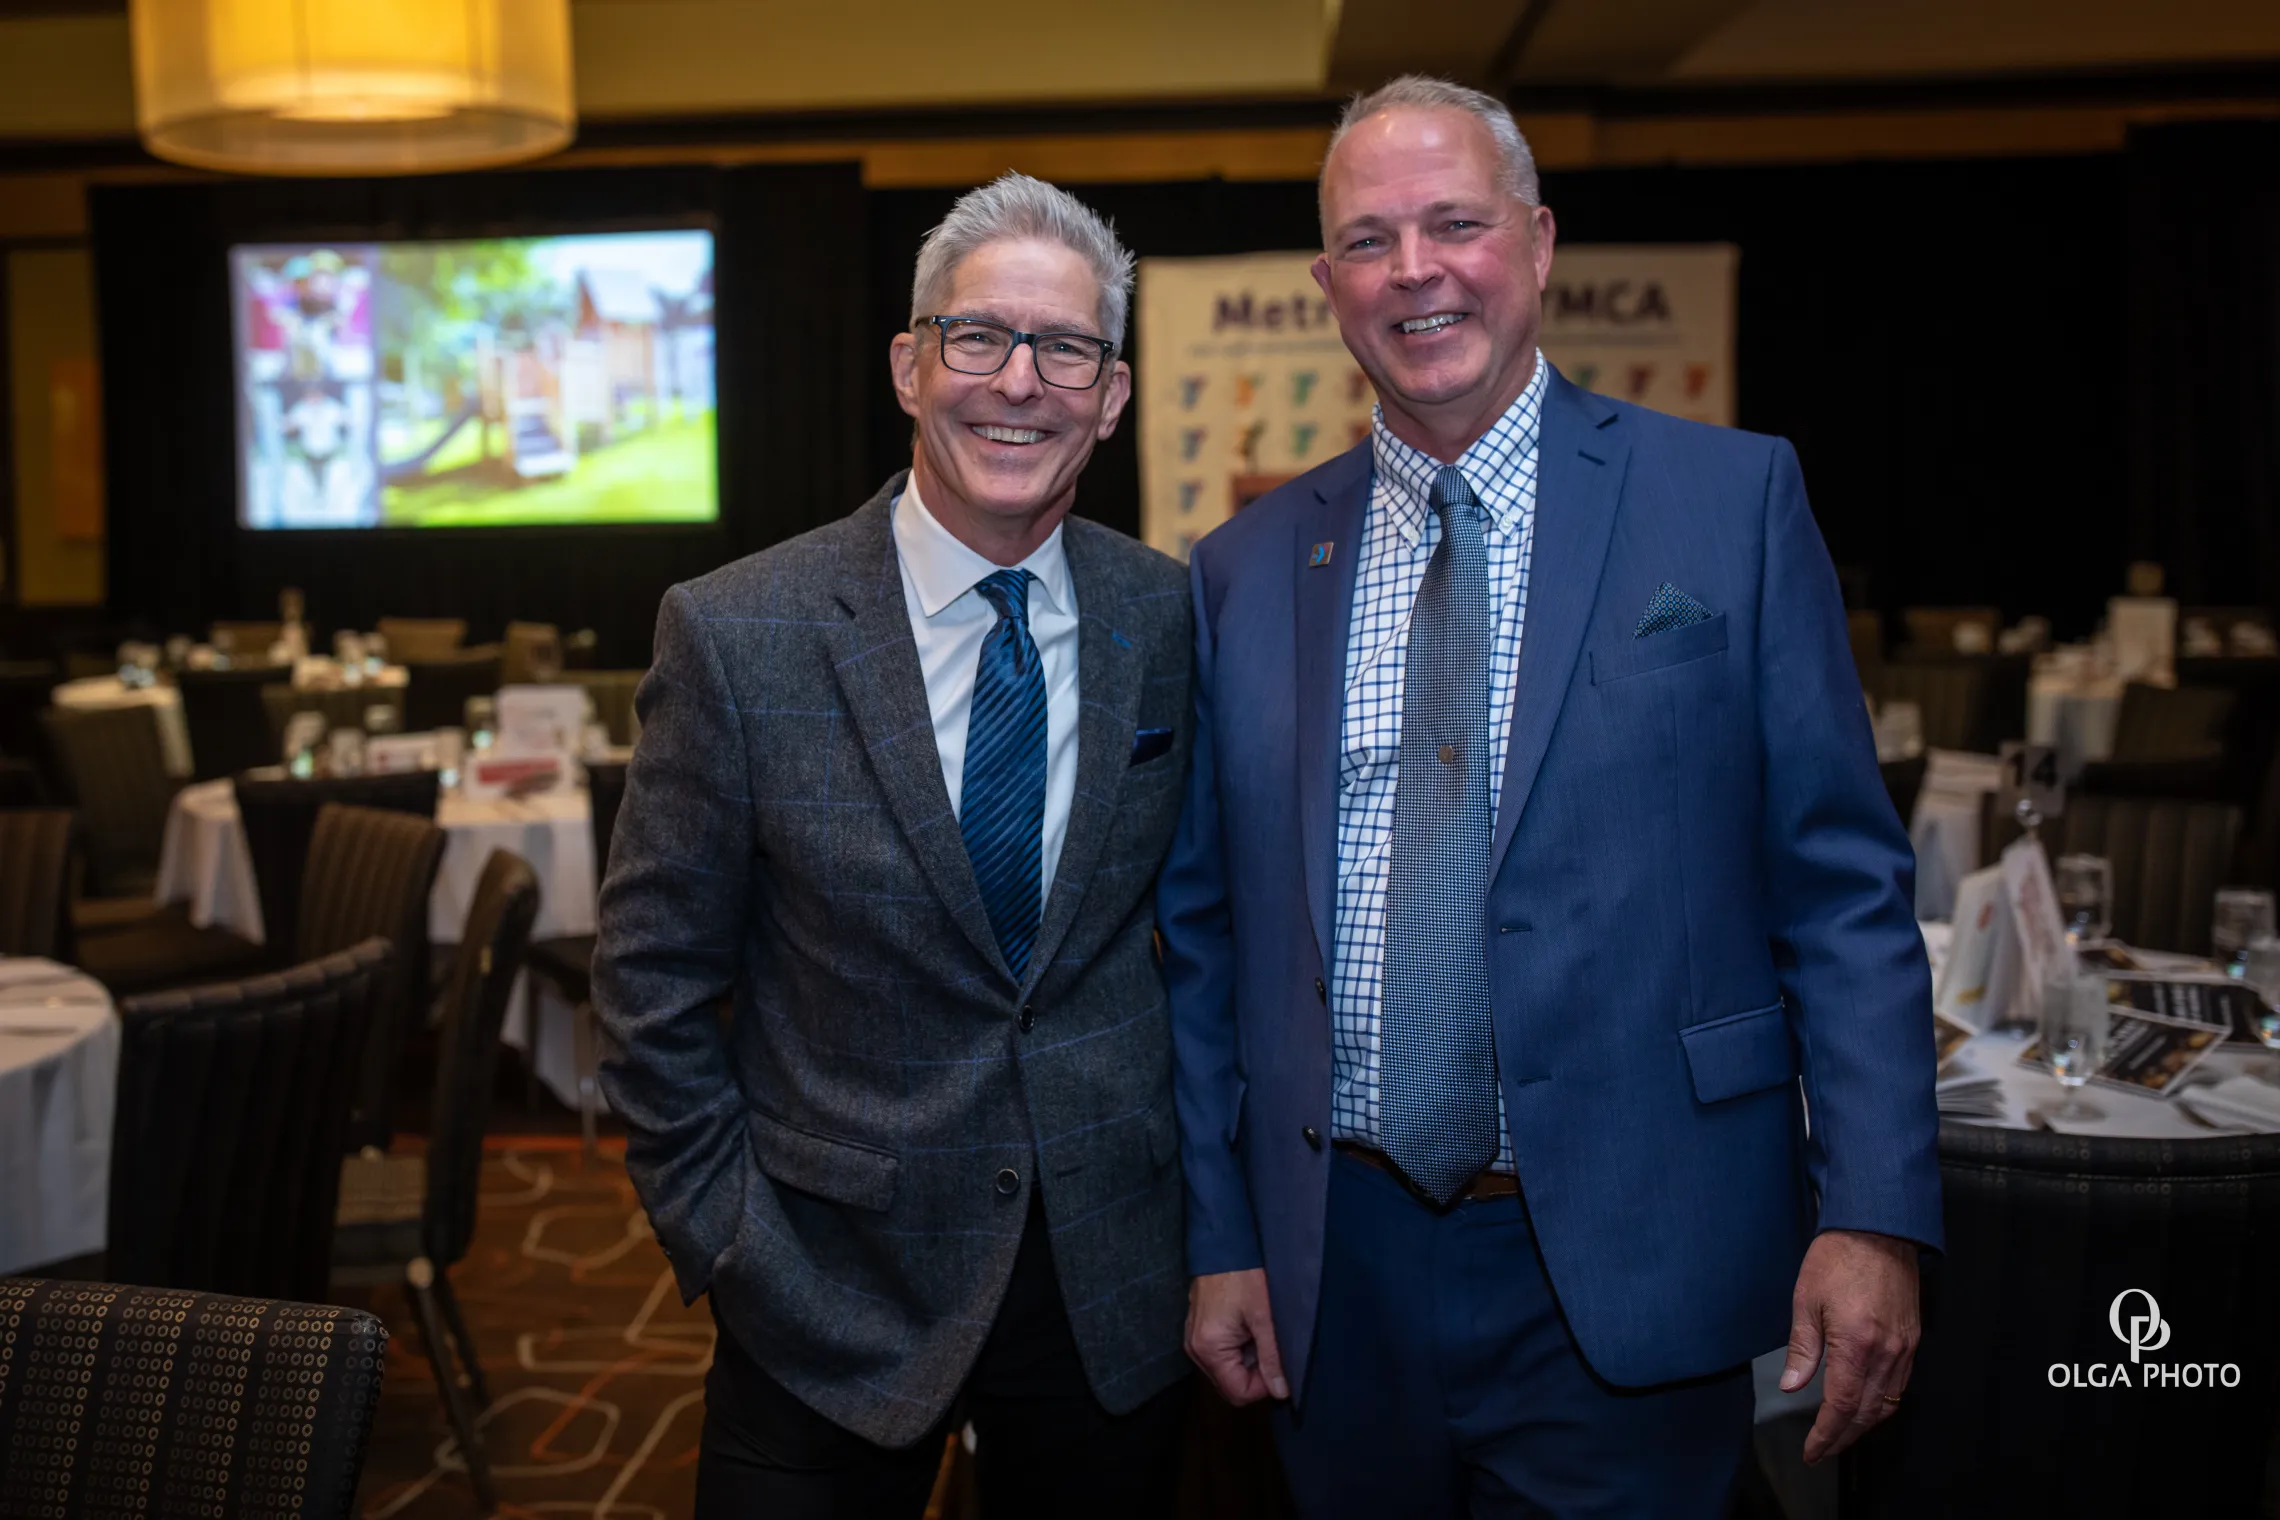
column 1444, row 1382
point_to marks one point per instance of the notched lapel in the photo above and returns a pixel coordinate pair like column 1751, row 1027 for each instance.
column 1324, row 597
column 1109, row 677
column 874, row 656
column 1578, row 487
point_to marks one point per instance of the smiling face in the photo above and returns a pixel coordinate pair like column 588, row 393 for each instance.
column 1435, row 270
column 997, row 456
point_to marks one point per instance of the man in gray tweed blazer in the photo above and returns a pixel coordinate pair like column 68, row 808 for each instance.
column 903, row 787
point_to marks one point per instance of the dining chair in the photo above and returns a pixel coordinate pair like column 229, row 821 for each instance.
column 229, row 727
column 279, row 816
column 370, row 872
column 249, row 641
column 233, row 1100
column 436, row 691
column 130, row 1400
column 1903, row 780
column 421, row 638
column 114, row 768
column 1931, row 630
column 2053, row 1242
column 20, row 784
column 533, row 652
column 408, row 1219
column 36, row 857
column 26, row 687
column 1969, row 702
column 2168, row 857
column 341, row 707
column 568, row 961
column 612, row 691
column 2171, row 722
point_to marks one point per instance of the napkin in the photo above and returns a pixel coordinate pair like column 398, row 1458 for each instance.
column 1970, row 1095
column 2238, row 1103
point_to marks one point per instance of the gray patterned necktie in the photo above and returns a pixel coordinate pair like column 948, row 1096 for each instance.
column 1437, row 1113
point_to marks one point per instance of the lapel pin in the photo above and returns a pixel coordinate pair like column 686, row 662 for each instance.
column 1320, row 555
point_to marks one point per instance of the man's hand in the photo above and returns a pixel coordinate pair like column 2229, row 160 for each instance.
column 1231, row 1336
column 1856, row 1298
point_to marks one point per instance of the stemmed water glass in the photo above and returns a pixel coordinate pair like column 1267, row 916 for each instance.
column 2261, row 971
column 2243, row 916
column 2085, row 885
column 2073, row 1022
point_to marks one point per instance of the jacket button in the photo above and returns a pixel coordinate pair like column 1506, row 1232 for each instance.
column 1009, row 1182
column 1321, row 990
column 1312, row 1137
column 1028, row 1018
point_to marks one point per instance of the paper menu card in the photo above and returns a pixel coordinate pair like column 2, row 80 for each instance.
column 2035, row 918
column 1979, row 975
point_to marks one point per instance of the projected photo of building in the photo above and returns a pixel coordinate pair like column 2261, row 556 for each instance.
column 486, row 383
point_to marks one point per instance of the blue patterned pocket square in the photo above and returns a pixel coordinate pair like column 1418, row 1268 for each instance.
column 1149, row 744
column 1670, row 608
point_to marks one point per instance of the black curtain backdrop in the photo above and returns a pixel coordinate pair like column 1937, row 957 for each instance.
column 788, row 272
column 1940, row 340
column 2006, row 378
column 2204, row 305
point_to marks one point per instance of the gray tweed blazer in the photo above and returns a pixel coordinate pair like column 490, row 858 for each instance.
column 832, row 1160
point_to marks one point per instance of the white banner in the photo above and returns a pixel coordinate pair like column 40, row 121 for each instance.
column 1244, row 381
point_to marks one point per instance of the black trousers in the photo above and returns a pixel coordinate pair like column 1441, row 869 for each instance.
column 1044, row 1446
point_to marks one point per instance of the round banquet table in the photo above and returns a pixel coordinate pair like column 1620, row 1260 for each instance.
column 206, row 863
column 59, row 1072
column 92, row 693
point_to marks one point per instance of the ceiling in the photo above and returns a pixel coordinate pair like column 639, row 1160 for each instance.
column 64, row 68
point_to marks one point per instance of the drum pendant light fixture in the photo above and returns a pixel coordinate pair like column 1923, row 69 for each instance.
column 321, row 87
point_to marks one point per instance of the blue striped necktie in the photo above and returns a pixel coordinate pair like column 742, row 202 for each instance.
column 1437, row 1095
column 1002, row 802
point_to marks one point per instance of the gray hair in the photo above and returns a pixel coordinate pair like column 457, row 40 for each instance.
column 1014, row 206
column 1425, row 93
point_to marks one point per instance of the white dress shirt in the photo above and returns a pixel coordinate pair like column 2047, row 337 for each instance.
column 1399, row 534
column 950, row 619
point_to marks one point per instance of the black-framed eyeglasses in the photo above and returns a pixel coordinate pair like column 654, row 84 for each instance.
column 1074, row 361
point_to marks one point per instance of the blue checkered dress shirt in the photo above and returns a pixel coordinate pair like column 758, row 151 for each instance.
column 1399, row 534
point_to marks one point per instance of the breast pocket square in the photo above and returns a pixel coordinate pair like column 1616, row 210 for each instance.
column 1669, row 608
column 1150, row 743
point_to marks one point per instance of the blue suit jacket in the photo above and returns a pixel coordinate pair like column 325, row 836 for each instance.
column 1700, row 894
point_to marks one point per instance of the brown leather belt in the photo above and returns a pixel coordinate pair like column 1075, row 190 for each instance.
column 1483, row 1185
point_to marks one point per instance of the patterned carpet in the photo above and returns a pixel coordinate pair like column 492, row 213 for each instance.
column 596, row 1371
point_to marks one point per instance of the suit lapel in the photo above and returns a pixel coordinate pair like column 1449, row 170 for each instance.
column 1579, row 481
column 875, row 659
column 1324, row 598
column 1109, row 677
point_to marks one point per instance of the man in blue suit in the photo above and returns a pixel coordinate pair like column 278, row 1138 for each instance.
column 1535, row 889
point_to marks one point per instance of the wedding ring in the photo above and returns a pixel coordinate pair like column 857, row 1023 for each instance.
column 1890, row 1398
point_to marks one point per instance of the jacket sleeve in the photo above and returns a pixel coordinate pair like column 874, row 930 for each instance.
column 1840, row 887
column 1193, row 916
column 668, row 946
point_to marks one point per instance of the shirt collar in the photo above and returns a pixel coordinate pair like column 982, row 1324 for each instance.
column 942, row 569
column 1508, row 448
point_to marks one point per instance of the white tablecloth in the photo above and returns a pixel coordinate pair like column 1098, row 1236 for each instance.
column 59, row 1076
column 2030, row 1092
column 95, row 692
column 2075, row 717
column 206, row 863
column 1945, row 826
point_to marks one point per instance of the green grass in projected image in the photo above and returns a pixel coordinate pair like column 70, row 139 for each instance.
column 662, row 473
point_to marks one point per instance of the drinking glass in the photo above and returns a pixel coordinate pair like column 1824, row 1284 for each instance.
column 481, row 717
column 2085, row 886
column 450, row 750
column 2073, row 1021
column 1900, row 731
column 2261, row 971
column 382, row 718
column 2243, row 916
column 345, row 749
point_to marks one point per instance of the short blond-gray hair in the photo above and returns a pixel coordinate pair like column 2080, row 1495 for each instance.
column 1012, row 207
column 1425, row 93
